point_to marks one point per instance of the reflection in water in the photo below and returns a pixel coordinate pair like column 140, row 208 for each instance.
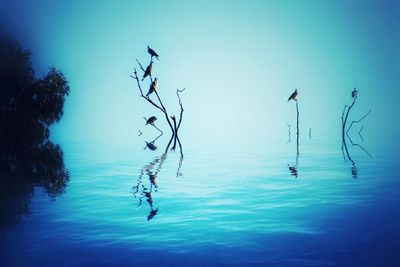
column 144, row 190
column 289, row 133
column 347, row 156
column 354, row 170
column 294, row 168
column 21, row 171
column 151, row 145
column 345, row 135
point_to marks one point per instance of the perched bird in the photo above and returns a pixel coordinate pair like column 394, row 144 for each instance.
column 148, row 70
column 153, row 87
column 354, row 93
column 150, row 120
column 293, row 96
column 152, row 52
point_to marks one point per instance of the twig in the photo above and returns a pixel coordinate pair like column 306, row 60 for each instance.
column 181, row 105
column 140, row 65
column 359, row 133
column 357, row 121
column 152, row 124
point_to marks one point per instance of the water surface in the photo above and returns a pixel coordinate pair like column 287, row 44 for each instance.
column 232, row 206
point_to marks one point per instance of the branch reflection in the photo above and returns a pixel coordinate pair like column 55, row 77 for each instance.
column 144, row 188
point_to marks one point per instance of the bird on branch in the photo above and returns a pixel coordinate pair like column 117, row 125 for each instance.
column 153, row 87
column 354, row 94
column 152, row 52
column 148, row 70
column 293, row 96
column 150, row 120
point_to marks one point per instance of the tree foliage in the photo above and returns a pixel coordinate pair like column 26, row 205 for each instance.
column 29, row 105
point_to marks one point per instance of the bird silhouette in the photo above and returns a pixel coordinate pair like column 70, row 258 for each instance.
column 150, row 120
column 151, row 146
column 148, row 70
column 152, row 52
column 153, row 87
column 354, row 93
column 152, row 213
column 293, row 96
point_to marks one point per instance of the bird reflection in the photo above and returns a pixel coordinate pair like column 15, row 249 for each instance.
column 152, row 213
column 141, row 191
column 151, row 145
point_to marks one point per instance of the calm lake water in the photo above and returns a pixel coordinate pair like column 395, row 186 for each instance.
column 238, row 205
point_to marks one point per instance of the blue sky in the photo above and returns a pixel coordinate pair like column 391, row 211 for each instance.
column 238, row 60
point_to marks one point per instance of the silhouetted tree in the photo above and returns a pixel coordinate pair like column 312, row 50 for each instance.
column 28, row 106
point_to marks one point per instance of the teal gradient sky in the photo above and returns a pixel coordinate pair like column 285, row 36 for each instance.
column 238, row 60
